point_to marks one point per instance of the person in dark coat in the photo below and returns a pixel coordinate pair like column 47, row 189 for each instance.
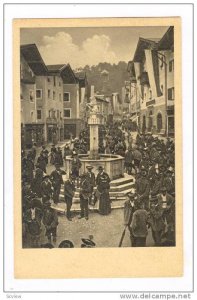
column 41, row 162
column 36, row 183
column 57, row 181
column 53, row 154
column 29, row 168
column 129, row 209
column 69, row 191
column 45, row 153
column 103, row 187
column 50, row 221
column 169, row 182
column 129, row 160
column 139, row 226
column 91, row 178
column 84, row 195
column 34, row 152
column 167, row 203
column 32, row 219
column 58, row 157
column 156, row 222
column 67, row 151
column 142, row 186
column 75, row 166
column 46, row 189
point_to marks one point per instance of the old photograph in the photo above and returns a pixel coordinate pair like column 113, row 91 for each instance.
column 97, row 117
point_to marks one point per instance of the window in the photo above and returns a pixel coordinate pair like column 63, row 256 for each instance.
column 150, row 94
column 38, row 94
column 49, row 113
column 58, row 114
column 31, row 95
column 53, row 113
column 49, row 94
column 48, row 79
column 54, row 81
column 162, row 89
column 39, row 114
column 67, row 97
column 32, row 116
column 171, row 65
column 67, row 113
column 60, row 97
column 53, row 95
column 171, row 94
column 59, row 83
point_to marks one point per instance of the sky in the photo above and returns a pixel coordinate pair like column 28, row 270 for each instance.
column 87, row 46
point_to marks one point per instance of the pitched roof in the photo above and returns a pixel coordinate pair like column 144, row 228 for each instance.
column 167, row 41
column 143, row 44
column 32, row 56
column 55, row 68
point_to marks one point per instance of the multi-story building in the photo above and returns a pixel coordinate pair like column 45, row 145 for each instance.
column 52, row 98
column 32, row 120
column 152, row 83
column 71, row 103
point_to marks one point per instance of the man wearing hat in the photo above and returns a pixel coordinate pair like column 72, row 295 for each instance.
column 138, row 226
column 91, row 178
column 57, row 180
column 45, row 153
column 75, row 166
column 29, row 168
column 87, row 243
column 103, row 187
column 69, row 191
column 156, row 221
column 46, row 188
column 169, row 181
column 66, row 244
column 36, row 183
column 84, row 195
column 167, row 203
column 41, row 162
column 129, row 208
column 32, row 219
column 142, row 186
column 50, row 221
column 67, row 151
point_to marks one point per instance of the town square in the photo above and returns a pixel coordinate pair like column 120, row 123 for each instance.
column 97, row 140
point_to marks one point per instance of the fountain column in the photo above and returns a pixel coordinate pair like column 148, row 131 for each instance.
column 93, row 122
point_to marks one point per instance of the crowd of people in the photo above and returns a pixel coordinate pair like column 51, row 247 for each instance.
column 149, row 159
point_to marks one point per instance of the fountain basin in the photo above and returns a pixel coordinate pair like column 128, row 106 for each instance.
column 113, row 164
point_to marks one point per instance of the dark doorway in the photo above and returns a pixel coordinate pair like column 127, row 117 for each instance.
column 69, row 131
column 159, row 122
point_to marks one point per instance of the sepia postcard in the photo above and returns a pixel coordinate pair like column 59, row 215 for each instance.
column 97, row 148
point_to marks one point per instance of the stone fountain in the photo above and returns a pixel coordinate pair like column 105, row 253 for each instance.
column 112, row 164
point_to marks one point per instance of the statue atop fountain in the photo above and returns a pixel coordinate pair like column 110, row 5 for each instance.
column 94, row 121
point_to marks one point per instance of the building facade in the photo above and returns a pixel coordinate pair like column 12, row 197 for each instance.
column 152, row 84
column 51, row 100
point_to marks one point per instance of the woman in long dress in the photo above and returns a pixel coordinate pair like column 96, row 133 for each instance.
column 103, row 187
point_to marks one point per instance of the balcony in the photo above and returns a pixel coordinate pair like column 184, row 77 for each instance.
column 150, row 102
column 144, row 80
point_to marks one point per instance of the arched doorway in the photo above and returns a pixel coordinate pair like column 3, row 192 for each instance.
column 159, row 122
